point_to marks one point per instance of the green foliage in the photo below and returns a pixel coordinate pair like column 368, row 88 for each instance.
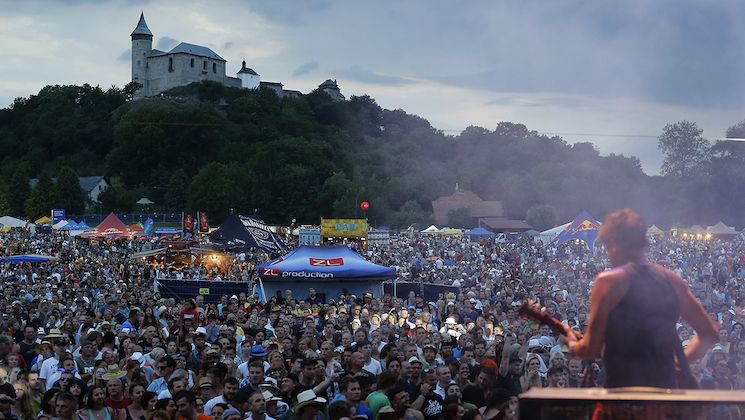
column 69, row 195
column 16, row 193
column 684, row 147
column 42, row 199
column 541, row 216
column 212, row 148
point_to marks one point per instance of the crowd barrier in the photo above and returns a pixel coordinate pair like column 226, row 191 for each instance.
column 212, row 291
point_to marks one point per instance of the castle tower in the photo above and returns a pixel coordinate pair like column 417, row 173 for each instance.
column 142, row 44
column 249, row 78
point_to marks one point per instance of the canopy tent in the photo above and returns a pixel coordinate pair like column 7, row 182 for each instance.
column 46, row 220
column 247, row 232
column 721, row 230
column 547, row 236
column 328, row 269
column 59, row 224
column 70, row 225
column 451, row 232
column 9, row 222
column 431, row 229
column 583, row 228
column 28, row 258
column 655, row 231
column 479, row 233
column 111, row 228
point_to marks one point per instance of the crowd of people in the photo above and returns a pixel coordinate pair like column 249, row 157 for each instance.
column 86, row 336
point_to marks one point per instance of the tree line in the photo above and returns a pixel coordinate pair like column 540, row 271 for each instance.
column 210, row 148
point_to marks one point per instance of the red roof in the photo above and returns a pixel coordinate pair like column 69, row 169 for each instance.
column 110, row 228
column 465, row 199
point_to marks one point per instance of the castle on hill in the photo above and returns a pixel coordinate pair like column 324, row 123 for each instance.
column 157, row 71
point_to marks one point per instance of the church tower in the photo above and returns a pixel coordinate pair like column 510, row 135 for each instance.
column 142, row 44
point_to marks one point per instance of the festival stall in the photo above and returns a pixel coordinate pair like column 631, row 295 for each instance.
column 479, row 233
column 328, row 269
column 721, row 231
column 8, row 223
column 547, row 236
column 245, row 232
column 584, row 228
column 28, row 258
column 655, row 231
column 431, row 230
column 110, row 229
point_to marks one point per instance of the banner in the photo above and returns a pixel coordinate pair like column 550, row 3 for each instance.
column 204, row 223
column 58, row 215
column 262, row 235
column 344, row 228
column 147, row 228
column 188, row 223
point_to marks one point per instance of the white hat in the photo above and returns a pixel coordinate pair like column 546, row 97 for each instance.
column 306, row 398
column 414, row 359
column 450, row 321
column 201, row 330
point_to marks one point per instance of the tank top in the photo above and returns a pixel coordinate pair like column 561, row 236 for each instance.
column 640, row 335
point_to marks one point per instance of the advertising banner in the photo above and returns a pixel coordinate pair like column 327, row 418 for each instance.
column 344, row 228
column 58, row 215
column 204, row 223
column 188, row 223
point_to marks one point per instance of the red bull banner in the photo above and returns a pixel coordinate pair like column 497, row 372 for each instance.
column 204, row 223
column 188, row 223
column 583, row 228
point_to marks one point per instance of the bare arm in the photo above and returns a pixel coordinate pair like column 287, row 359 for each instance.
column 694, row 314
column 608, row 290
column 504, row 365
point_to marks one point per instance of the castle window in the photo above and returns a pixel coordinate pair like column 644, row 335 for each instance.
column 170, row 63
column 192, row 62
column 204, row 65
column 138, row 63
column 214, row 67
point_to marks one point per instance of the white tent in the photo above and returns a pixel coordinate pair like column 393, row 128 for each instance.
column 9, row 222
column 549, row 235
column 431, row 229
column 60, row 224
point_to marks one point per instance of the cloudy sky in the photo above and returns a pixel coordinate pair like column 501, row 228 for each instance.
column 609, row 72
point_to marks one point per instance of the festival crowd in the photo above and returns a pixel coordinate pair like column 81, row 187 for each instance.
column 86, row 336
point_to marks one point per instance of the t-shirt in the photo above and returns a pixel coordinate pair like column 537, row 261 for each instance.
column 119, row 405
column 432, row 407
column 377, row 400
column 374, row 367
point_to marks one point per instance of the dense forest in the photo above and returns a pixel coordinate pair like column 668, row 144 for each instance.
column 215, row 149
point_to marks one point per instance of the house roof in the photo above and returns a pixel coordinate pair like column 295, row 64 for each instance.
column 141, row 28
column 87, row 183
column 501, row 224
column 329, row 84
column 465, row 199
column 245, row 69
column 198, row 50
column 271, row 84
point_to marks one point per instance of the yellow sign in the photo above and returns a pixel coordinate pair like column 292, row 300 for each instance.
column 344, row 228
column 204, row 290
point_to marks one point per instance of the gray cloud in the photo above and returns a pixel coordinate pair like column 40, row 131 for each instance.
column 126, row 55
column 165, row 43
column 227, row 45
column 366, row 76
column 294, row 13
column 305, row 68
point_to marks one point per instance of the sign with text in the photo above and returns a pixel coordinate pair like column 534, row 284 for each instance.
column 344, row 228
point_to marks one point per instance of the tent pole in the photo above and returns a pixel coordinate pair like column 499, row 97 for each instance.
column 263, row 292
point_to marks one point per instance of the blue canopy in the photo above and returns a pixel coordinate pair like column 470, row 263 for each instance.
column 71, row 225
column 84, row 226
column 584, row 228
column 30, row 258
column 319, row 263
column 480, row 232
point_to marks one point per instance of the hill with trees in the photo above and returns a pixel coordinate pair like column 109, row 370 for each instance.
column 210, row 148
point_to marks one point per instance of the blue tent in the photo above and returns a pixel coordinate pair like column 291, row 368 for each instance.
column 584, row 228
column 479, row 232
column 328, row 269
column 71, row 225
column 30, row 258
column 84, row 226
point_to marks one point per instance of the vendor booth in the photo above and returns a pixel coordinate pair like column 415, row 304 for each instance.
column 328, row 269
column 246, row 232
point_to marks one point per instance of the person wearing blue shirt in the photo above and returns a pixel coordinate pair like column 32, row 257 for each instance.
column 352, row 392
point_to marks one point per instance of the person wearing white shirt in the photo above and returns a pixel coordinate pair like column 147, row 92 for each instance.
column 257, row 408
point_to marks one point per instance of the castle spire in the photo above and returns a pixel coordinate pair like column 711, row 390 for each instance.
column 142, row 31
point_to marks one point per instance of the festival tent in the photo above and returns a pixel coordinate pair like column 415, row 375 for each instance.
column 9, row 222
column 549, row 235
column 720, row 230
column 451, row 232
column 328, row 269
column 479, row 233
column 583, row 228
column 432, row 229
column 60, row 224
column 655, row 231
column 247, row 232
column 110, row 228
column 46, row 220
column 29, row 258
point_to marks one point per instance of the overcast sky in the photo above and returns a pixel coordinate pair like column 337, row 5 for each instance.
column 609, row 68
